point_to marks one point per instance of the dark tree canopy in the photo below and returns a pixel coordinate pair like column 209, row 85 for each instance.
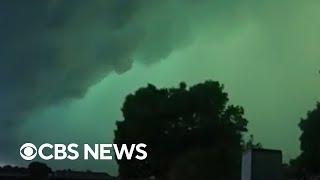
column 180, row 125
column 39, row 170
column 309, row 142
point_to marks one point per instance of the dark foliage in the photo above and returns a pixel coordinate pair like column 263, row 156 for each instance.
column 191, row 133
column 39, row 170
column 250, row 144
column 309, row 160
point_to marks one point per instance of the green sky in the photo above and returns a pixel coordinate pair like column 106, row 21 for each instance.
column 274, row 96
column 266, row 53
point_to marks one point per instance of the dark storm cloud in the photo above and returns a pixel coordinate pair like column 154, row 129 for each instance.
column 51, row 51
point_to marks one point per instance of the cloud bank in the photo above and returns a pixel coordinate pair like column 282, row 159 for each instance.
column 52, row 51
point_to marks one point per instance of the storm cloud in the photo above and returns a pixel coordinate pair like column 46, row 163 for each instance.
column 57, row 51
column 52, row 51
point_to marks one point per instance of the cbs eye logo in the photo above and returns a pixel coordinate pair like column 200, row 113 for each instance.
column 28, row 151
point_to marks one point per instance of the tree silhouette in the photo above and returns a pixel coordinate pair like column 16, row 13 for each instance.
column 180, row 125
column 309, row 160
column 39, row 171
column 250, row 144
